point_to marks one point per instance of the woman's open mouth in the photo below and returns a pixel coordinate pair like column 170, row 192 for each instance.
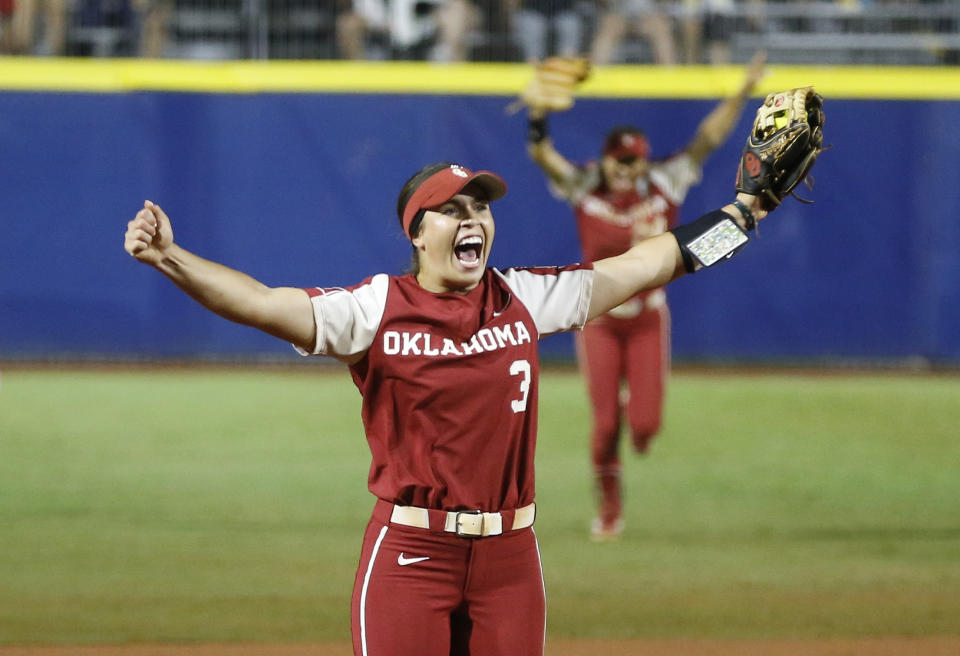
column 469, row 251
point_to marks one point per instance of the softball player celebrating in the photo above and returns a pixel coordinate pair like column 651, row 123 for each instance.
column 445, row 359
column 619, row 201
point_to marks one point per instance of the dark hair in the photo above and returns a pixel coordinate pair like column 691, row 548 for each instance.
column 406, row 192
column 410, row 186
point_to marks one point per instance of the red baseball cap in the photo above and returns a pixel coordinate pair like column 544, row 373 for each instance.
column 447, row 183
column 627, row 144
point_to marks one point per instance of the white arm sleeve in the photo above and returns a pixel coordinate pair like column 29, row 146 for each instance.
column 557, row 298
column 675, row 176
column 348, row 320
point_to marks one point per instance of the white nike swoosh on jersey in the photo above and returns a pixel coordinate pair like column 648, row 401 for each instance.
column 401, row 560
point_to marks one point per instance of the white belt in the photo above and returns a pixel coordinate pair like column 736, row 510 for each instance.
column 465, row 523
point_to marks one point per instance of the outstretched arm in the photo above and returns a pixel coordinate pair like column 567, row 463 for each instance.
column 551, row 89
column 542, row 151
column 716, row 126
column 656, row 261
column 283, row 312
column 761, row 184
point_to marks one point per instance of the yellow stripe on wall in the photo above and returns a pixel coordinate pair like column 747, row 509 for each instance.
column 245, row 77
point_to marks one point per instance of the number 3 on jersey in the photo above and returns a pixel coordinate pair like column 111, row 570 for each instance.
column 521, row 368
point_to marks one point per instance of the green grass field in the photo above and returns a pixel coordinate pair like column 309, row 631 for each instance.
column 193, row 506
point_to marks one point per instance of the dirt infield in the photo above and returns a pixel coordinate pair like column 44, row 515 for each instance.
column 937, row 646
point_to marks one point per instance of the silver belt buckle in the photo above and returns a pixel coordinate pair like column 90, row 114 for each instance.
column 470, row 524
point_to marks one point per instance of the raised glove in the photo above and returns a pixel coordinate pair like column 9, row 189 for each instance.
column 786, row 139
column 553, row 84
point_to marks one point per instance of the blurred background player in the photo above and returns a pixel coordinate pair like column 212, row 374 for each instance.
column 619, row 201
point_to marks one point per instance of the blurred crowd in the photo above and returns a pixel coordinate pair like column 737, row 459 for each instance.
column 662, row 32
column 84, row 27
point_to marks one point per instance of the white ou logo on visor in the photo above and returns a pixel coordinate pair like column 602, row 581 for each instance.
column 458, row 171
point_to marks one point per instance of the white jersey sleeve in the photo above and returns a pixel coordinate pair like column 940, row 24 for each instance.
column 675, row 176
column 572, row 190
column 557, row 298
column 348, row 319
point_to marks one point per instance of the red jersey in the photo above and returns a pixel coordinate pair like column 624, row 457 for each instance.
column 449, row 381
column 609, row 223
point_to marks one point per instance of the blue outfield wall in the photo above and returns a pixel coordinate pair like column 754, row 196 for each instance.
column 300, row 189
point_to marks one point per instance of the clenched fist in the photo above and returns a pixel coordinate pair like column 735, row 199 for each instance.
column 149, row 234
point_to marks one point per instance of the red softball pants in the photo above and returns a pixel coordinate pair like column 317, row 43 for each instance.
column 610, row 352
column 429, row 593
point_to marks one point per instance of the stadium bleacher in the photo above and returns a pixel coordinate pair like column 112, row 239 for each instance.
column 864, row 32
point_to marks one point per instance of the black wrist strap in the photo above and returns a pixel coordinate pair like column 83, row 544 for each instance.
column 537, row 129
column 748, row 219
column 712, row 238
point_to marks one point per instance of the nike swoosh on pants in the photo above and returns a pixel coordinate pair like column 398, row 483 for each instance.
column 402, row 560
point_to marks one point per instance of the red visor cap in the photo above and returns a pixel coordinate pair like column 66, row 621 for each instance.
column 628, row 145
column 444, row 185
